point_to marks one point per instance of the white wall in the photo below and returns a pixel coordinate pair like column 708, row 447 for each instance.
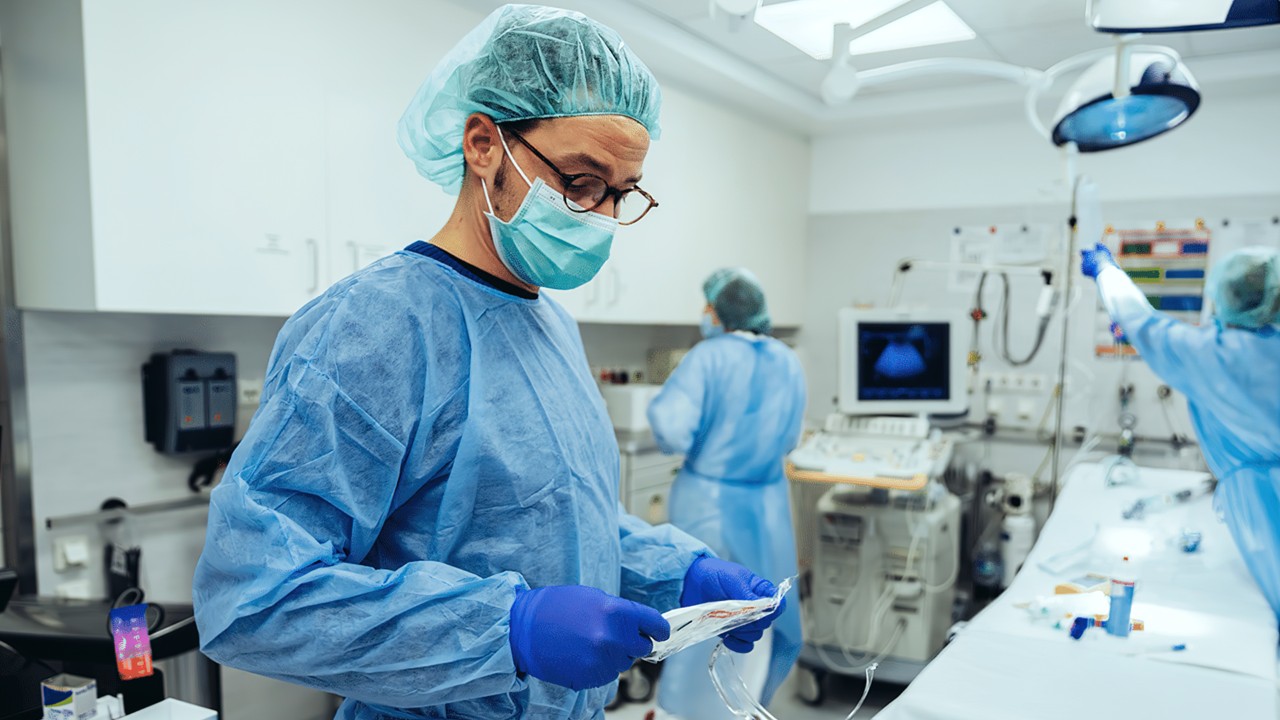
column 85, row 396
column 852, row 258
column 885, row 193
column 87, row 431
column 1229, row 149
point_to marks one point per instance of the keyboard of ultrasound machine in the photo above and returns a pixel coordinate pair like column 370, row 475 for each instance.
column 864, row 455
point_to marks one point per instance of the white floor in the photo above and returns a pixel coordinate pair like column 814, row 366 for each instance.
column 842, row 695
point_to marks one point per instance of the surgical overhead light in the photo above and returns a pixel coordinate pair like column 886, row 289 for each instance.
column 1125, row 99
column 1164, row 16
column 1124, row 96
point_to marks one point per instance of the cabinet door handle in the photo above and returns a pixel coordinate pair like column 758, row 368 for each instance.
column 315, row 264
column 355, row 256
column 616, row 285
column 594, row 297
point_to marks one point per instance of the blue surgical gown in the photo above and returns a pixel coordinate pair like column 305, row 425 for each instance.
column 425, row 446
column 734, row 407
column 1231, row 378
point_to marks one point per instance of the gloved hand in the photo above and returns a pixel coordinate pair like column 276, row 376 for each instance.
column 1093, row 261
column 711, row 579
column 580, row 637
column 1117, row 332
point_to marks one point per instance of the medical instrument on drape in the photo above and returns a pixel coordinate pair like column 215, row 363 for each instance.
column 1154, row 503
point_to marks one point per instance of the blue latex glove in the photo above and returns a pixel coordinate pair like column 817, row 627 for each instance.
column 580, row 637
column 1092, row 261
column 712, row 579
column 1117, row 332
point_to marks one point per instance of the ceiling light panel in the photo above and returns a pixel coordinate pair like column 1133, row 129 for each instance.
column 809, row 25
column 931, row 25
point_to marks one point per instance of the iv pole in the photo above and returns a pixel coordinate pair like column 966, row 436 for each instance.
column 1069, row 154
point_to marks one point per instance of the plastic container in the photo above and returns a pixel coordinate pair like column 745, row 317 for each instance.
column 628, row 405
column 1123, row 584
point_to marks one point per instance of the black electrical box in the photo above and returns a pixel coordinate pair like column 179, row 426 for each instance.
column 189, row 401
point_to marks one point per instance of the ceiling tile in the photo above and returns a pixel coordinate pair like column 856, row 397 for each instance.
column 1044, row 45
column 1032, row 33
column 677, row 9
column 1219, row 42
column 804, row 73
column 988, row 15
column 808, row 76
column 748, row 40
column 972, row 49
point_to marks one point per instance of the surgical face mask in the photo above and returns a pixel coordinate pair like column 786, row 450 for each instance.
column 710, row 328
column 545, row 243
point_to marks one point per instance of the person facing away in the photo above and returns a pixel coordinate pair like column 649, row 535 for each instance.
column 734, row 408
column 423, row 517
column 1229, row 371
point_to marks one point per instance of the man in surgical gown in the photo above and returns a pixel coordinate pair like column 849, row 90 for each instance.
column 423, row 517
column 1230, row 372
column 734, row 408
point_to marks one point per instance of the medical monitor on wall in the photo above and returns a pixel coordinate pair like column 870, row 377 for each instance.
column 900, row 362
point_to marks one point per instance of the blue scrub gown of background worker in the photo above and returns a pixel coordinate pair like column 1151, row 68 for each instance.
column 734, row 407
column 1231, row 377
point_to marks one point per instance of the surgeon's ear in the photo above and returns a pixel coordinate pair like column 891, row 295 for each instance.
column 481, row 147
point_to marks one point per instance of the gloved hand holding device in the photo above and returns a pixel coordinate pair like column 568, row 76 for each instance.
column 580, row 637
column 711, row 579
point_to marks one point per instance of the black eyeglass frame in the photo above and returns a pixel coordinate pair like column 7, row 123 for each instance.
column 610, row 191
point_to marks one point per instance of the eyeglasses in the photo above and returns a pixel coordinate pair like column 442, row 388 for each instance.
column 585, row 192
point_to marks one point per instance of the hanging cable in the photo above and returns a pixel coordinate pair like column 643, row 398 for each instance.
column 1044, row 311
column 742, row 702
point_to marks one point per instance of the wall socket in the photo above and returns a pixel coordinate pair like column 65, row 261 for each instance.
column 249, row 392
column 1016, row 382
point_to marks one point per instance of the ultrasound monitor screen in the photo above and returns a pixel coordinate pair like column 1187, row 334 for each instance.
column 904, row 361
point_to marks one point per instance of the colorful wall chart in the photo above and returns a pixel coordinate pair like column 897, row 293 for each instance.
column 1169, row 262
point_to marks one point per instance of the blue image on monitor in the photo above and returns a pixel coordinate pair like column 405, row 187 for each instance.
column 904, row 361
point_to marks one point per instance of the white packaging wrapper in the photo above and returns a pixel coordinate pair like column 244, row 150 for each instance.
column 691, row 625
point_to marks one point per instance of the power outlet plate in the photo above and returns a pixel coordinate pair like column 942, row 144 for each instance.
column 1028, row 383
column 248, row 392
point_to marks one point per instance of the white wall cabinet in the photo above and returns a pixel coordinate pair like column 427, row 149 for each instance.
column 206, row 162
column 378, row 203
column 647, row 478
column 230, row 157
column 237, row 157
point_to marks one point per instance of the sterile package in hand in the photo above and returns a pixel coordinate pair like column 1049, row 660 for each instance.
column 691, row 625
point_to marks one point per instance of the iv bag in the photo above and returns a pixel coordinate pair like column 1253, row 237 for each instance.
column 691, row 625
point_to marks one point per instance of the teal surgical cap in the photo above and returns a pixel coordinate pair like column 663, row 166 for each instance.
column 524, row 62
column 1245, row 288
column 738, row 299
